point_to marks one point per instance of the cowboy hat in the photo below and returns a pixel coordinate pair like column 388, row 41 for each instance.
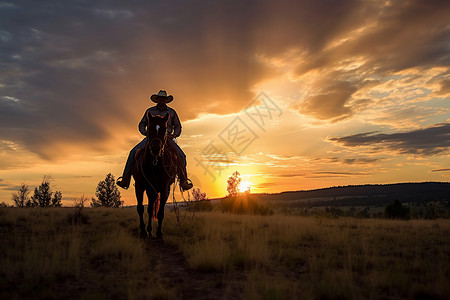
column 161, row 94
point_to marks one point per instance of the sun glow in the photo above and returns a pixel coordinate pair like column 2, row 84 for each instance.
column 244, row 186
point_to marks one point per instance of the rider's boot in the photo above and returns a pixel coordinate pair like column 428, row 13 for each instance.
column 124, row 181
column 185, row 182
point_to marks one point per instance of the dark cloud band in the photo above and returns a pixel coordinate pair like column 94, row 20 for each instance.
column 74, row 71
column 433, row 140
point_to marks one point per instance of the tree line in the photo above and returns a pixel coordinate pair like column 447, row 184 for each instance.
column 107, row 194
column 43, row 195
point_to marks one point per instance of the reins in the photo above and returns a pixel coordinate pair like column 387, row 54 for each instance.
column 161, row 151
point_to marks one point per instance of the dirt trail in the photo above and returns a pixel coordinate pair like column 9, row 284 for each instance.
column 175, row 273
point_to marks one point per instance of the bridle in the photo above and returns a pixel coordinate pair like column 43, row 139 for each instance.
column 162, row 144
column 152, row 141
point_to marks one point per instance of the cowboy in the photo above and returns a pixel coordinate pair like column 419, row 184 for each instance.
column 173, row 131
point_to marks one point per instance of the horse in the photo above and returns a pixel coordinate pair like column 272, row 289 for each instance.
column 153, row 173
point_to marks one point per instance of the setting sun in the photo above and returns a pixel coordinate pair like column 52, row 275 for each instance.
column 244, row 186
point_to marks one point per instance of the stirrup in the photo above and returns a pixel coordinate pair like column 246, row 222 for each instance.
column 187, row 181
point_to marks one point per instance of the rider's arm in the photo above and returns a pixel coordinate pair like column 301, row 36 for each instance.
column 143, row 124
column 176, row 125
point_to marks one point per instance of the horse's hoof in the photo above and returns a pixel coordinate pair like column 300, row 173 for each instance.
column 159, row 235
column 144, row 234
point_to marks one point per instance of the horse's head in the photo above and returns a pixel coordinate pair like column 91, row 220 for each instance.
column 156, row 133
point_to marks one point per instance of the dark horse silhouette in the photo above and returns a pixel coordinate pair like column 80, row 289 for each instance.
column 154, row 172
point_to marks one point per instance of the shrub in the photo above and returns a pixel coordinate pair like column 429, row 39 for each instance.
column 198, row 195
column 397, row 211
column 201, row 202
column 79, row 216
column 334, row 212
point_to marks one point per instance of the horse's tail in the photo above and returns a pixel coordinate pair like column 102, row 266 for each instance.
column 156, row 206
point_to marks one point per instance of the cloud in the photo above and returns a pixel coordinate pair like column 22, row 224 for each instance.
column 351, row 161
column 263, row 185
column 389, row 37
column 77, row 75
column 330, row 103
column 319, row 174
column 13, row 156
column 440, row 170
column 434, row 140
column 444, row 87
column 79, row 72
column 327, row 174
column 405, row 117
column 8, row 186
column 346, row 160
column 370, row 49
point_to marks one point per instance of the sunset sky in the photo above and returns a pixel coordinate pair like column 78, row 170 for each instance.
column 324, row 93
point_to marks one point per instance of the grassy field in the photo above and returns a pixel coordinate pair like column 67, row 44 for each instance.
column 55, row 253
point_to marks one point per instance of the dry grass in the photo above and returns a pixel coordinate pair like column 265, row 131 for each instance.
column 46, row 254
column 306, row 257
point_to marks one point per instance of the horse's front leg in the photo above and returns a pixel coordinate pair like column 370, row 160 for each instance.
column 140, row 209
column 160, row 215
column 151, row 196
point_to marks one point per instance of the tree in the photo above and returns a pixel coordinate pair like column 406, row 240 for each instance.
column 78, row 216
column 107, row 193
column 21, row 198
column 43, row 195
column 233, row 184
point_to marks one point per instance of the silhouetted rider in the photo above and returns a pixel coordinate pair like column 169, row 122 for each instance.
column 173, row 131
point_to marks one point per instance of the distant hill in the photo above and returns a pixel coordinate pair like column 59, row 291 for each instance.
column 369, row 194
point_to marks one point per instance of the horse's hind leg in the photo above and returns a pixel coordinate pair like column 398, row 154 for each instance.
column 140, row 209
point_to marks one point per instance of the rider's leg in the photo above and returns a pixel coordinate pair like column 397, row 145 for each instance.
column 124, row 181
column 185, row 183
